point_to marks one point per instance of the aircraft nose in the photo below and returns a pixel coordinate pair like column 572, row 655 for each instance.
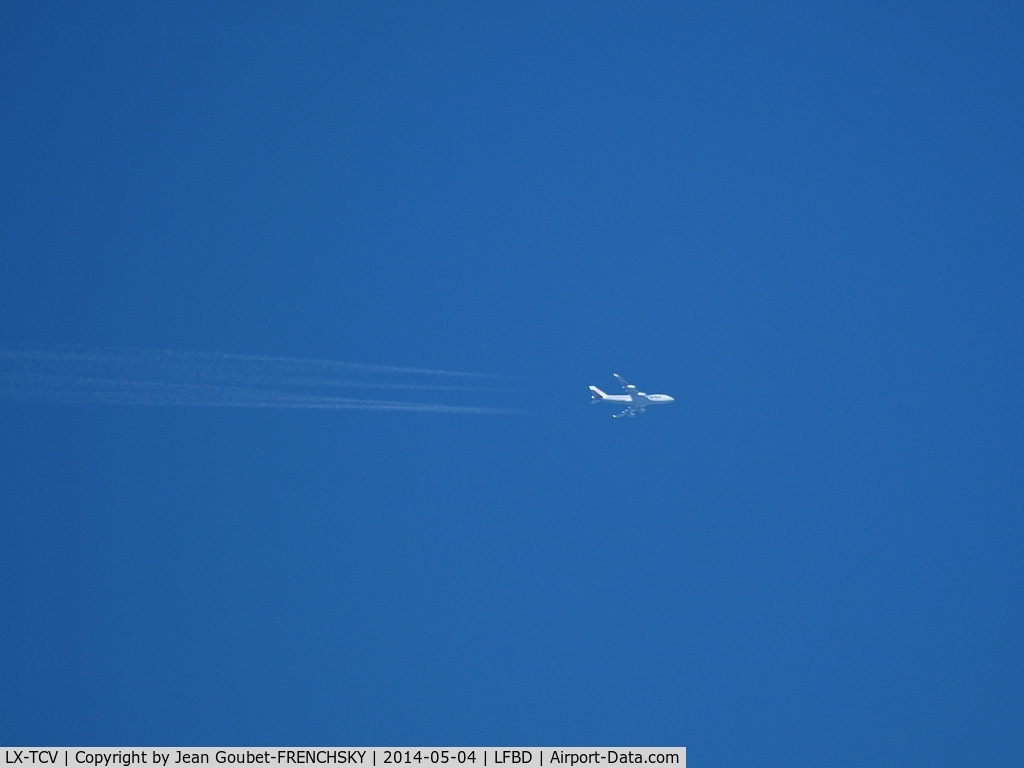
column 669, row 399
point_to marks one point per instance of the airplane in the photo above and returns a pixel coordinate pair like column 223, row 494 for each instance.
column 636, row 401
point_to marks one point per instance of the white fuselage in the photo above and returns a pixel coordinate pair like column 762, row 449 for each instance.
column 639, row 398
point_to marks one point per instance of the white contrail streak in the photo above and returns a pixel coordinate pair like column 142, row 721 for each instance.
column 61, row 389
column 256, row 369
column 150, row 377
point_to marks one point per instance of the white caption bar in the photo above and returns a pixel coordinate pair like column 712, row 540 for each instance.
column 417, row 757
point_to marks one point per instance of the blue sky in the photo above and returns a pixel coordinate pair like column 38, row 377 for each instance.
column 803, row 221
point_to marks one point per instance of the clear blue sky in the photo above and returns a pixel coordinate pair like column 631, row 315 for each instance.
column 804, row 221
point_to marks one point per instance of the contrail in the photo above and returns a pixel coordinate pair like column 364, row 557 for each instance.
column 256, row 368
column 63, row 389
column 151, row 377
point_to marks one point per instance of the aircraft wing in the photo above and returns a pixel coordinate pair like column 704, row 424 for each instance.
column 631, row 410
column 630, row 388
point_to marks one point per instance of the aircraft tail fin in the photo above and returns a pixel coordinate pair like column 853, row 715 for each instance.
column 596, row 395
